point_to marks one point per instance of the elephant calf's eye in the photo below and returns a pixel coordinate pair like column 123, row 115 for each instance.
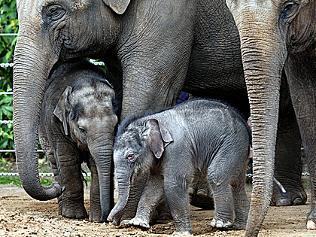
column 82, row 130
column 131, row 157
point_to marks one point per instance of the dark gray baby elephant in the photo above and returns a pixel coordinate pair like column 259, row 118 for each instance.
column 77, row 124
column 169, row 147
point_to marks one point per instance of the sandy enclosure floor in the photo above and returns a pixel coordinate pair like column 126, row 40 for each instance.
column 22, row 216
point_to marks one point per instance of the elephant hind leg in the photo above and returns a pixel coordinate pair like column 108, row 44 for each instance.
column 241, row 204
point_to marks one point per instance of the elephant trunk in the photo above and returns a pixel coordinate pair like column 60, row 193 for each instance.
column 101, row 151
column 29, row 74
column 124, row 181
column 263, row 56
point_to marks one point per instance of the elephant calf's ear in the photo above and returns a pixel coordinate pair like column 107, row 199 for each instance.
column 60, row 110
column 158, row 137
column 118, row 6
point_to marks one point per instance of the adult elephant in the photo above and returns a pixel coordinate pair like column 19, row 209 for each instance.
column 153, row 42
column 276, row 35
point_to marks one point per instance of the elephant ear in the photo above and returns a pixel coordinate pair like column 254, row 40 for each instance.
column 62, row 107
column 158, row 137
column 118, row 6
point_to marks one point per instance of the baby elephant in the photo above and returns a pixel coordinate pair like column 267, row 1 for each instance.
column 169, row 148
column 77, row 124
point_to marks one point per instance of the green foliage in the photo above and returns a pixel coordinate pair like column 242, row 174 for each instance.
column 14, row 180
column 6, row 130
column 5, row 165
column 8, row 24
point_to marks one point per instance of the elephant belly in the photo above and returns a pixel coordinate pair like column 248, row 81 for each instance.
column 215, row 68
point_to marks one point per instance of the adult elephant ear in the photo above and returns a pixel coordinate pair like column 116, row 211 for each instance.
column 118, row 6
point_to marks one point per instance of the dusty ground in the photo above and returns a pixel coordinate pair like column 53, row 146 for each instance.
column 22, row 216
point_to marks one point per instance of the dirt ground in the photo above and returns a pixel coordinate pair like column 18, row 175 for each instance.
column 22, row 216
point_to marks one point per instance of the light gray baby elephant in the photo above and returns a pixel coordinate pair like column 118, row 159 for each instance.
column 169, row 147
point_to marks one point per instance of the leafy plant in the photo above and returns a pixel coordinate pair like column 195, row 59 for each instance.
column 8, row 24
column 14, row 180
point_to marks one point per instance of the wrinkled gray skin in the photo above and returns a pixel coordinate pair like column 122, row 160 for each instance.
column 77, row 124
column 169, row 147
column 151, row 44
column 277, row 35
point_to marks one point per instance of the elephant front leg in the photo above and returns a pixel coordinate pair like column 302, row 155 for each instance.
column 177, row 196
column 151, row 197
column 288, row 164
column 72, row 203
column 95, row 207
column 301, row 77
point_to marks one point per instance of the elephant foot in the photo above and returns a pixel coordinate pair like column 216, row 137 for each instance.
column 139, row 222
column 95, row 216
column 239, row 226
column 72, row 209
column 202, row 199
column 311, row 220
column 221, row 224
column 74, row 213
column 284, row 195
column 311, row 225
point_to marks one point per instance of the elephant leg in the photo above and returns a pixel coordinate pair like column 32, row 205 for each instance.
column 95, row 206
column 151, row 197
column 224, row 209
column 301, row 78
column 177, row 197
column 288, row 164
column 241, row 203
column 72, row 203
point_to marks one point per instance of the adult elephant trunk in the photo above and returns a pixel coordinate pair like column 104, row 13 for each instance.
column 32, row 64
column 263, row 55
column 101, row 151
column 124, row 181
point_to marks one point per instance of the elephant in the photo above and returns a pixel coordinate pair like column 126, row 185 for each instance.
column 276, row 36
column 155, row 48
column 78, row 118
column 167, row 148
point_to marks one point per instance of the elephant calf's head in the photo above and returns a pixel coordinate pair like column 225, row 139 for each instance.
column 139, row 144
column 86, row 110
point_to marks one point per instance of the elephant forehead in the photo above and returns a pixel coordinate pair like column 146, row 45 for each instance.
column 84, row 91
column 130, row 140
column 92, row 123
column 93, row 104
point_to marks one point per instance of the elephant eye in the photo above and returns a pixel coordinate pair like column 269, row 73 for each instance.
column 82, row 130
column 55, row 12
column 289, row 9
column 131, row 157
